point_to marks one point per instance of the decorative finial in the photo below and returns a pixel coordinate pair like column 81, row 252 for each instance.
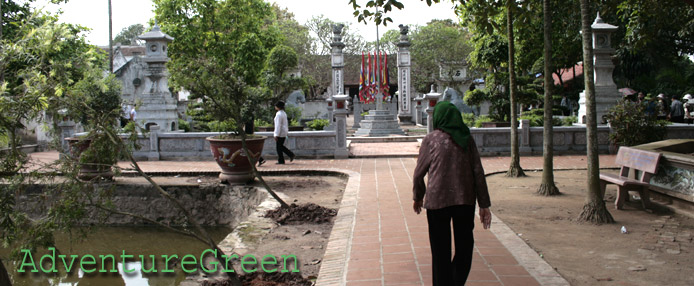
column 598, row 20
column 432, row 89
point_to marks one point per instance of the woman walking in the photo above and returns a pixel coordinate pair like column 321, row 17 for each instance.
column 455, row 182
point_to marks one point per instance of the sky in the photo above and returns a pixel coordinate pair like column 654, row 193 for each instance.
column 94, row 14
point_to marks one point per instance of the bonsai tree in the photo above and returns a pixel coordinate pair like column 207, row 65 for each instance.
column 95, row 103
column 224, row 76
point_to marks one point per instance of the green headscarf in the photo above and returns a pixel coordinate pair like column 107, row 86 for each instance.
column 447, row 118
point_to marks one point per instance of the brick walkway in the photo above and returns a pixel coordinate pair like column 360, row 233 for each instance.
column 386, row 242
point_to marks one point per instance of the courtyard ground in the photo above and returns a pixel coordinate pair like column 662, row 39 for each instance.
column 657, row 250
column 378, row 240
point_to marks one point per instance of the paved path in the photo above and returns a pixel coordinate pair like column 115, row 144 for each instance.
column 381, row 241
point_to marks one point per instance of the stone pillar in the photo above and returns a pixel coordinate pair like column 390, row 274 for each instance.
column 338, row 64
column 418, row 110
column 404, row 90
column 331, row 117
column 432, row 98
column 606, row 93
column 357, row 113
column 341, row 151
column 153, row 143
column 67, row 129
column 524, row 147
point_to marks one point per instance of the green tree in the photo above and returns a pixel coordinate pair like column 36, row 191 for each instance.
column 128, row 36
column 281, row 60
column 321, row 27
column 316, row 68
column 43, row 62
column 439, row 41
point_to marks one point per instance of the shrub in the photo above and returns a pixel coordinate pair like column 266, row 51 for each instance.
column 293, row 113
column 569, row 120
column 183, row 125
column 630, row 126
column 537, row 117
column 221, row 126
column 469, row 119
column 318, row 124
column 482, row 119
column 260, row 122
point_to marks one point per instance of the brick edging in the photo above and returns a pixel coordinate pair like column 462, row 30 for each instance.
column 333, row 270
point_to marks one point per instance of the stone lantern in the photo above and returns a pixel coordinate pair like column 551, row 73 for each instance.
column 158, row 107
column 340, row 114
column 432, row 98
column 606, row 93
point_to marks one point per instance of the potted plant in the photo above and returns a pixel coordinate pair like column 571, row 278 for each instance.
column 96, row 105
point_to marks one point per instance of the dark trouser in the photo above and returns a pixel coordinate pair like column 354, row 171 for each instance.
column 446, row 272
column 677, row 119
column 281, row 149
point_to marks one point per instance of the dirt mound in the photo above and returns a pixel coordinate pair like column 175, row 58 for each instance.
column 265, row 279
column 274, row 279
column 295, row 214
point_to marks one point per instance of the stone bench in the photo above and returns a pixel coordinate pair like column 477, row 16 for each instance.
column 645, row 162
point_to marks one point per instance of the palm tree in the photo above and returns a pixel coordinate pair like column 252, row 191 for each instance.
column 547, row 187
column 594, row 210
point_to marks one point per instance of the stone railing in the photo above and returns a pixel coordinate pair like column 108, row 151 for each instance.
column 157, row 145
column 193, row 146
column 567, row 139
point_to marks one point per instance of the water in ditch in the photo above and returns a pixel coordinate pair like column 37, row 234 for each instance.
column 104, row 241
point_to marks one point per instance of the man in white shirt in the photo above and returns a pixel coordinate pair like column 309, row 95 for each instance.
column 133, row 113
column 281, row 132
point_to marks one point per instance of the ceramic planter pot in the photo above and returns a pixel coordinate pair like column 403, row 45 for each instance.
column 230, row 157
column 88, row 171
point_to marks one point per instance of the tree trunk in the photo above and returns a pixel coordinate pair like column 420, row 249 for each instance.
column 2, row 71
column 110, row 38
column 4, row 276
column 594, row 210
column 547, row 187
column 515, row 169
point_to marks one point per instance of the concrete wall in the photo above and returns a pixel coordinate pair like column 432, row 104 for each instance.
column 210, row 204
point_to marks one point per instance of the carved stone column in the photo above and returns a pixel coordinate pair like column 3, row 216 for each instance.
column 404, row 90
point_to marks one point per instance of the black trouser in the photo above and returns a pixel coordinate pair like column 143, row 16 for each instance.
column 281, row 149
column 446, row 272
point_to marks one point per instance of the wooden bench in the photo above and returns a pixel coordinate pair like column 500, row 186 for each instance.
column 629, row 158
